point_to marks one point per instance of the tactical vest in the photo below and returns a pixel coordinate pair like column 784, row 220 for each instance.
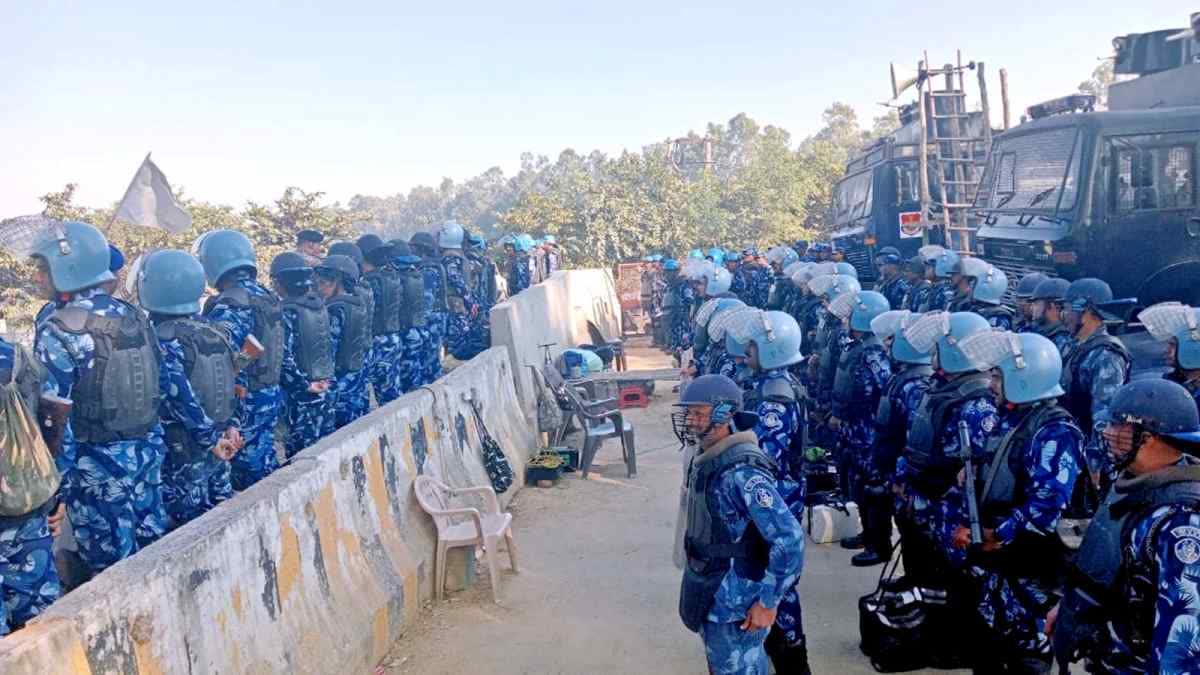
column 888, row 418
column 1053, row 332
column 709, row 541
column 1004, row 477
column 208, row 364
column 831, row 355
column 911, row 296
column 263, row 372
column 455, row 302
column 473, row 274
column 433, row 267
column 848, row 389
column 491, row 292
column 1078, row 400
column 356, row 333
column 364, row 291
column 413, row 315
column 1103, row 569
column 388, row 289
column 313, row 344
column 990, row 312
column 29, row 377
column 117, row 398
column 924, row 448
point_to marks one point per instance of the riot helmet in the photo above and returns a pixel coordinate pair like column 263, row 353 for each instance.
column 1030, row 365
column 225, row 251
column 170, row 282
column 75, row 254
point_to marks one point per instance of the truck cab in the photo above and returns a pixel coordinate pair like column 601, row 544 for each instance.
column 1107, row 194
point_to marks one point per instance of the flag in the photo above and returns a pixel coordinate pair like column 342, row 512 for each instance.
column 149, row 202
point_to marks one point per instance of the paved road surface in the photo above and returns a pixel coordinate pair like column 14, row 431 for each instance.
column 597, row 592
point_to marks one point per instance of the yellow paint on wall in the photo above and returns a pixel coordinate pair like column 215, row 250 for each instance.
column 146, row 663
column 237, row 604
column 288, row 568
column 379, row 632
column 77, row 658
column 327, row 525
column 223, row 622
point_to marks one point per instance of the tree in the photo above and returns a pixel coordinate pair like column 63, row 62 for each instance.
column 1097, row 84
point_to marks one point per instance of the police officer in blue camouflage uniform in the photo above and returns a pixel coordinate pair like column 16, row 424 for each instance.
column 196, row 377
column 891, row 283
column 486, row 292
column 387, row 342
column 745, row 547
column 437, row 297
column 519, row 273
column 1032, row 468
column 942, row 291
column 1046, row 309
column 863, row 373
column 911, row 377
column 1177, row 325
column 704, row 350
column 678, row 305
column 981, row 289
column 1095, row 366
column 829, row 339
column 415, row 369
column 771, row 343
column 927, row 473
column 1130, row 604
column 354, row 396
column 460, row 298
column 308, row 349
column 1023, row 295
column 716, row 359
column 102, row 354
column 756, row 279
column 350, row 335
column 28, row 577
column 244, row 309
column 918, row 286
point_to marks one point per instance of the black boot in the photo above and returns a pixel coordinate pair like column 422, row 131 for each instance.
column 787, row 659
column 870, row 557
column 854, row 542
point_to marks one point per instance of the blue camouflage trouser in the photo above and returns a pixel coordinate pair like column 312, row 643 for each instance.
column 412, row 365
column 458, row 336
column 254, row 462
column 352, row 399
column 733, row 651
column 115, row 499
column 481, row 332
column 193, row 483
column 28, row 577
column 435, row 324
column 305, row 414
column 386, row 354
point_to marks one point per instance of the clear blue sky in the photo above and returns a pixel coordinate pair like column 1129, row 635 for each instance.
column 238, row 100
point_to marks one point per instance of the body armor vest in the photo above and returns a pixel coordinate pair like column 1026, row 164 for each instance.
column 473, row 275
column 912, row 293
column 432, row 268
column 990, row 312
column 1052, row 333
column 1102, row 570
column 263, row 372
column 388, row 289
column 455, row 302
column 1004, row 476
column 1078, row 400
column 848, row 389
column 208, row 364
column 709, row 542
column 888, row 417
column 356, row 333
column 925, row 453
column 413, row 315
column 117, row 398
column 830, row 356
column 312, row 341
column 364, row 291
column 28, row 377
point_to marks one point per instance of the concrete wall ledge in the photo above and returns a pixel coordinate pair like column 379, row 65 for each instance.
column 314, row 570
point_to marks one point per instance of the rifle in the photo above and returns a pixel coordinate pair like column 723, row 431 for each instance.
column 964, row 443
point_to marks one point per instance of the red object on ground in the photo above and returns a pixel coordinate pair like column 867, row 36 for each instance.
column 633, row 397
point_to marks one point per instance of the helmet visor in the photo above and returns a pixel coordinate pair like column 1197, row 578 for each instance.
column 924, row 333
column 891, row 322
column 1167, row 319
column 989, row 349
column 843, row 305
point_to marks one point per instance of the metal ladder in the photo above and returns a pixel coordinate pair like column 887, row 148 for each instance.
column 957, row 155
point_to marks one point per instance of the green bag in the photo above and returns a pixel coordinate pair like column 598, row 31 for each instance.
column 28, row 476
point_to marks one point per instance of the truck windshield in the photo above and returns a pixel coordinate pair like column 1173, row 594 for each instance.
column 852, row 198
column 1036, row 172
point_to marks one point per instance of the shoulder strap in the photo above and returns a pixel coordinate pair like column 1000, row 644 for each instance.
column 71, row 318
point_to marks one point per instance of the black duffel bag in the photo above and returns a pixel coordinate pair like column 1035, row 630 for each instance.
column 892, row 623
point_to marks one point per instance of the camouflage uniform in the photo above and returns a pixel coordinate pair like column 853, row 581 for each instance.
column 259, row 410
column 28, row 578
column 435, row 324
column 113, row 489
column 335, row 408
column 458, row 324
column 303, row 410
column 1091, row 376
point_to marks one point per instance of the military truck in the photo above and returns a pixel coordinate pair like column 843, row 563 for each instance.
column 1076, row 191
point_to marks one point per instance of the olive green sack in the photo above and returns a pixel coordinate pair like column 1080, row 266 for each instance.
column 28, row 476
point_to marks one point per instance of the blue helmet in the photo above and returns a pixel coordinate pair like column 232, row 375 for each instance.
column 904, row 351
column 947, row 263
column 116, row 259
column 524, row 243
column 223, row 251
column 888, row 255
column 789, row 256
column 717, row 255
column 348, row 249
column 867, row 306
column 892, row 324
column 1161, row 407
column 718, row 391
column 1087, row 293
column 170, row 282
column 550, row 239
column 451, row 235
column 1181, row 323
column 696, row 254
column 717, row 281
column 76, row 255
column 846, row 269
column 830, row 286
column 962, row 325
column 670, row 264
column 339, row 268
column 990, row 285
column 776, row 335
column 1029, row 364
column 1028, row 284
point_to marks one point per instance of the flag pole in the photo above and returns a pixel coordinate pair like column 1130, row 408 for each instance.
column 125, row 196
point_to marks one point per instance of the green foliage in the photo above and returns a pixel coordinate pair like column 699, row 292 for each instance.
column 1097, row 84
column 759, row 189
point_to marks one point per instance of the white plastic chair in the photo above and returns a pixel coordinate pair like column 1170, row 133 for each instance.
column 475, row 529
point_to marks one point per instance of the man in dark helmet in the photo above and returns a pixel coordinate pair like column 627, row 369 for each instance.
column 1130, row 605
column 308, row 370
column 349, row 335
column 744, row 547
column 437, row 308
column 355, row 400
column 1024, row 297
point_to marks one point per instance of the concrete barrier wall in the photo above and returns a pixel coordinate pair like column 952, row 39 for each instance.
column 556, row 310
column 314, row 570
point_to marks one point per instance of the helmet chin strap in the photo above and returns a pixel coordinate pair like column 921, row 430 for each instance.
column 1136, row 443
